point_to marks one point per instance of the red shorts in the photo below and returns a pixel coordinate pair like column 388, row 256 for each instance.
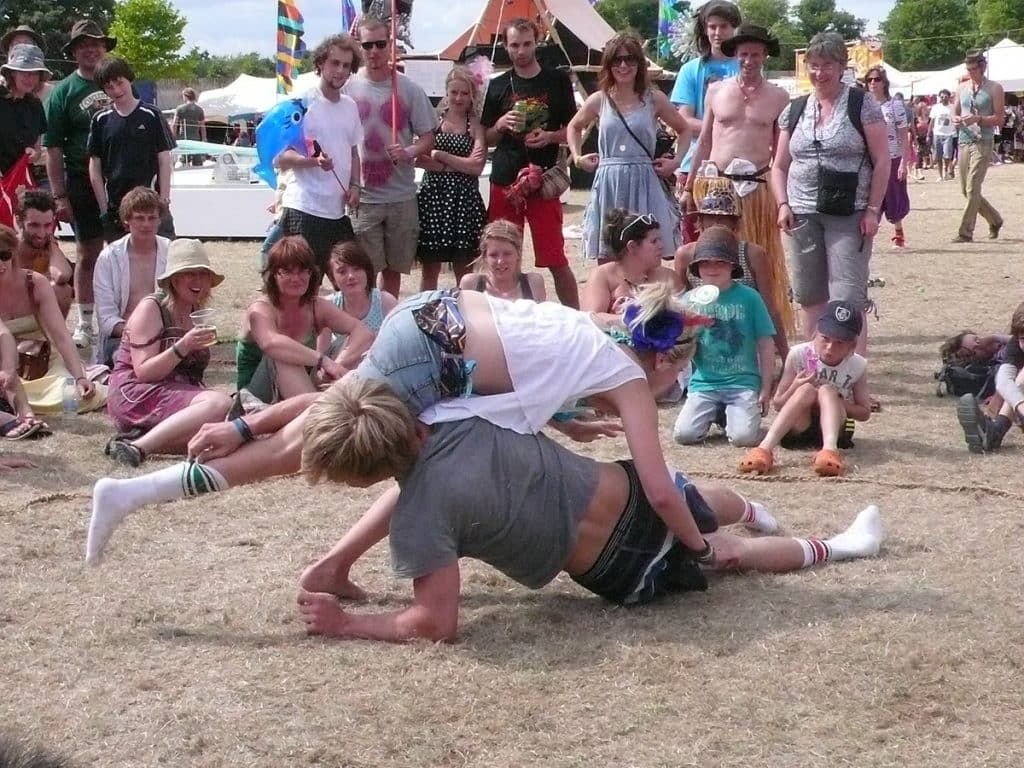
column 545, row 220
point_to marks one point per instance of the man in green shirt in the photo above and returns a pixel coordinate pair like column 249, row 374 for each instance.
column 69, row 110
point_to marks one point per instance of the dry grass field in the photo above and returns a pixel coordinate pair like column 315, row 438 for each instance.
column 184, row 648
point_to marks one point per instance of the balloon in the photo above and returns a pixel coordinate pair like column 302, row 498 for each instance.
column 280, row 129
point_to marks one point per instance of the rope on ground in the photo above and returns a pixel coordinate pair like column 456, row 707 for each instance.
column 907, row 486
column 55, row 497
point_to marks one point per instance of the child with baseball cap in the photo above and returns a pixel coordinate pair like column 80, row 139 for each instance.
column 824, row 383
column 734, row 364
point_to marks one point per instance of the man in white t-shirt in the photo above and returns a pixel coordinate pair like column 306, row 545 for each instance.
column 943, row 132
column 329, row 179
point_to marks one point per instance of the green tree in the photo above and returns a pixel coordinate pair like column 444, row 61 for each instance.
column 53, row 18
column 203, row 64
column 773, row 15
column 928, row 34
column 149, row 37
column 999, row 18
column 814, row 16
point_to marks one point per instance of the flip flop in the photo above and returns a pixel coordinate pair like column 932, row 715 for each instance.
column 20, row 428
column 828, row 463
column 758, row 460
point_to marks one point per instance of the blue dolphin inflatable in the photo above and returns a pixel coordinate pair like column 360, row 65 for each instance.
column 280, row 129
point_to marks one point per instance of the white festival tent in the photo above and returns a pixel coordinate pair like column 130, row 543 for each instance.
column 249, row 95
column 1005, row 66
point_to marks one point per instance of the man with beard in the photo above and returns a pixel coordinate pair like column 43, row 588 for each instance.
column 738, row 135
column 37, row 247
column 329, row 180
column 69, row 111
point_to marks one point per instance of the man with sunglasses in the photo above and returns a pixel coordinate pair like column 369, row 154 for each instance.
column 327, row 181
column 977, row 112
column 387, row 220
column 526, row 112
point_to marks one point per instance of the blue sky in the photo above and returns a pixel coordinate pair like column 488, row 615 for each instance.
column 238, row 26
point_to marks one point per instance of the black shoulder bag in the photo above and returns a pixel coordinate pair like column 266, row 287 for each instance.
column 837, row 190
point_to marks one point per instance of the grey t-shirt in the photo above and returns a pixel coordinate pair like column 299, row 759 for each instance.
column 384, row 181
column 513, row 501
column 190, row 115
column 842, row 149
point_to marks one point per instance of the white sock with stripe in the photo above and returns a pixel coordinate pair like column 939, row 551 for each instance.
column 862, row 539
column 113, row 500
column 757, row 518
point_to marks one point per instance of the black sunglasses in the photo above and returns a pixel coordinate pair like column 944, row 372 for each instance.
column 380, row 45
column 875, row 80
column 6, row 255
column 628, row 58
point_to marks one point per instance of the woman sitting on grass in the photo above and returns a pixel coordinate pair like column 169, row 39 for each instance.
column 28, row 307
column 633, row 242
column 499, row 268
column 157, row 398
column 18, row 421
column 277, row 354
column 352, row 271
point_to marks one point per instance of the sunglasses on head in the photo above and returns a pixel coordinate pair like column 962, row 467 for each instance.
column 629, row 59
column 6, row 255
column 646, row 219
column 380, row 45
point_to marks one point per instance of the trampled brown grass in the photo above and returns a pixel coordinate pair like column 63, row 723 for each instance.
column 185, row 647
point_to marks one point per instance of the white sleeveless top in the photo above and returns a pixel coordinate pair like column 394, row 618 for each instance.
column 554, row 355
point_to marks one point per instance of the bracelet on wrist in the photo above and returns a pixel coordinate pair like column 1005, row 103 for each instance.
column 786, row 203
column 707, row 555
column 177, row 351
column 243, row 430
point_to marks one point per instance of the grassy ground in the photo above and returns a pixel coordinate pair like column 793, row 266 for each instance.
column 185, row 648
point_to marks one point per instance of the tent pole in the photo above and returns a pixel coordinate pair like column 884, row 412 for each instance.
column 394, row 71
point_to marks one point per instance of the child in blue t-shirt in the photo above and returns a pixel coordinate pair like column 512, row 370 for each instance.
column 734, row 361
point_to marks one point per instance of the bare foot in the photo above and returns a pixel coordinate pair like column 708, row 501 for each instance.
column 325, row 576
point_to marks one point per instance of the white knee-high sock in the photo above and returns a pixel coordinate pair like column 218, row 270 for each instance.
column 113, row 500
column 862, row 539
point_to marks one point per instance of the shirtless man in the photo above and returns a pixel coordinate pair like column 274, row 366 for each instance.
column 37, row 247
column 738, row 135
column 126, row 269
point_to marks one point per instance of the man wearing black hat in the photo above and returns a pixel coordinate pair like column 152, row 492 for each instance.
column 69, row 110
column 738, row 136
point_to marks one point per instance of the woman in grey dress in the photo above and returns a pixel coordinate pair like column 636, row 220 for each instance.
column 628, row 174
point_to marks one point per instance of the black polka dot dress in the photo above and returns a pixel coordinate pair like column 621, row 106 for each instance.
column 452, row 212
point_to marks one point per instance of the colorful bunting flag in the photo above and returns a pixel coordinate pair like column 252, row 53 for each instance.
column 668, row 17
column 348, row 15
column 290, row 46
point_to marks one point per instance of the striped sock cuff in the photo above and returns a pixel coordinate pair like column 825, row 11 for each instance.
column 197, row 479
column 815, row 551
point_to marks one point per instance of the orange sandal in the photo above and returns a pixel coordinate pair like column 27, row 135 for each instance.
column 758, row 460
column 828, row 463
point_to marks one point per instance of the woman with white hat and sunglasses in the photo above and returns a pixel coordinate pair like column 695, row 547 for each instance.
column 156, row 389
column 22, row 119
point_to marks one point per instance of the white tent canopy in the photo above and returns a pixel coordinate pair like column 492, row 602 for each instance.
column 249, row 95
column 1005, row 66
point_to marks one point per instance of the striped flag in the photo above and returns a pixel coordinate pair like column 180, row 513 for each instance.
column 290, row 47
column 348, row 15
column 668, row 16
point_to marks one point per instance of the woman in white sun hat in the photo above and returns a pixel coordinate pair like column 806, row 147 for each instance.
column 157, row 398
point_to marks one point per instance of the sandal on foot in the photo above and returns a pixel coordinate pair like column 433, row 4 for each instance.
column 124, row 452
column 758, row 460
column 828, row 463
column 20, row 428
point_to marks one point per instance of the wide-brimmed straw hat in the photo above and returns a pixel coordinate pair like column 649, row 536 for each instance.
column 21, row 29
column 87, row 28
column 25, row 57
column 186, row 255
column 751, row 33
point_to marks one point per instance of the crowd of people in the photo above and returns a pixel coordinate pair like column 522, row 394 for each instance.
column 691, row 297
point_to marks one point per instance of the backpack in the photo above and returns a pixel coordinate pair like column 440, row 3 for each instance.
column 978, row 378
column 854, row 104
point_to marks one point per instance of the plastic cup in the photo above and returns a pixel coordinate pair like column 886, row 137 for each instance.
column 206, row 320
column 802, row 236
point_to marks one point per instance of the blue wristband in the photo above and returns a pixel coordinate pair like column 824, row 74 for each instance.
column 564, row 416
column 243, row 430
